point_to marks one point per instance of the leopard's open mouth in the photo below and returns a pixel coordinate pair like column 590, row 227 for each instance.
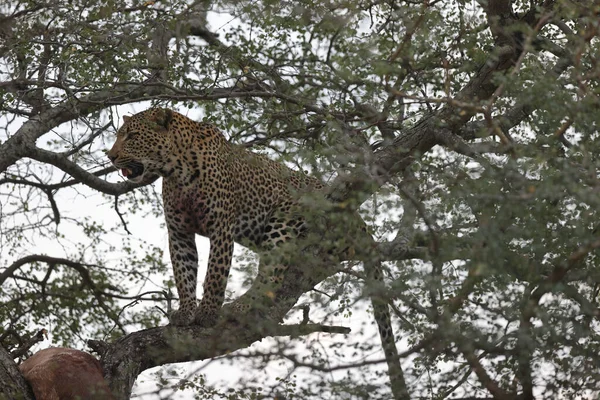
column 133, row 170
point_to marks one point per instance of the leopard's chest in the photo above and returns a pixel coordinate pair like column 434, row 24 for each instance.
column 187, row 210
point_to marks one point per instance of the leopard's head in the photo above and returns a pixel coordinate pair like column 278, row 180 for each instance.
column 143, row 144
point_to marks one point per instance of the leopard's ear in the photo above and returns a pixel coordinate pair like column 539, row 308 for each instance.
column 126, row 118
column 162, row 117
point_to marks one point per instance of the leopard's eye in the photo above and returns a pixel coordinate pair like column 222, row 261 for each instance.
column 131, row 135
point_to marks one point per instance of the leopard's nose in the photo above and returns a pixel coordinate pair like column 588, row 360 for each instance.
column 111, row 157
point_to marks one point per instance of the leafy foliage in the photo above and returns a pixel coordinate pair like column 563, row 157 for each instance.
column 465, row 131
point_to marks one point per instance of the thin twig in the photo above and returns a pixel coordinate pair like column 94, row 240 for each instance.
column 121, row 215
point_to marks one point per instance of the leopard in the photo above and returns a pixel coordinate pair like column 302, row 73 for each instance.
column 227, row 193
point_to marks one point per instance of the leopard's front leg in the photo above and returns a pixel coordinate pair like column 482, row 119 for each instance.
column 184, row 259
column 219, row 264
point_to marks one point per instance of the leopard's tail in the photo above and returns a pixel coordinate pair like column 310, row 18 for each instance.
column 376, row 288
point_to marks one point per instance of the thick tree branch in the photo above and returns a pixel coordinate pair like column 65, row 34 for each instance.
column 127, row 357
column 13, row 384
column 83, row 176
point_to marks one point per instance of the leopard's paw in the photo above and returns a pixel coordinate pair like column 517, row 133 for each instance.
column 205, row 317
column 181, row 317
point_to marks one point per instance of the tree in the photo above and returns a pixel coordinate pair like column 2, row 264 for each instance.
column 465, row 132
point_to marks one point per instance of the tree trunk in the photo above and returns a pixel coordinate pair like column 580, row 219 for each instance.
column 12, row 384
